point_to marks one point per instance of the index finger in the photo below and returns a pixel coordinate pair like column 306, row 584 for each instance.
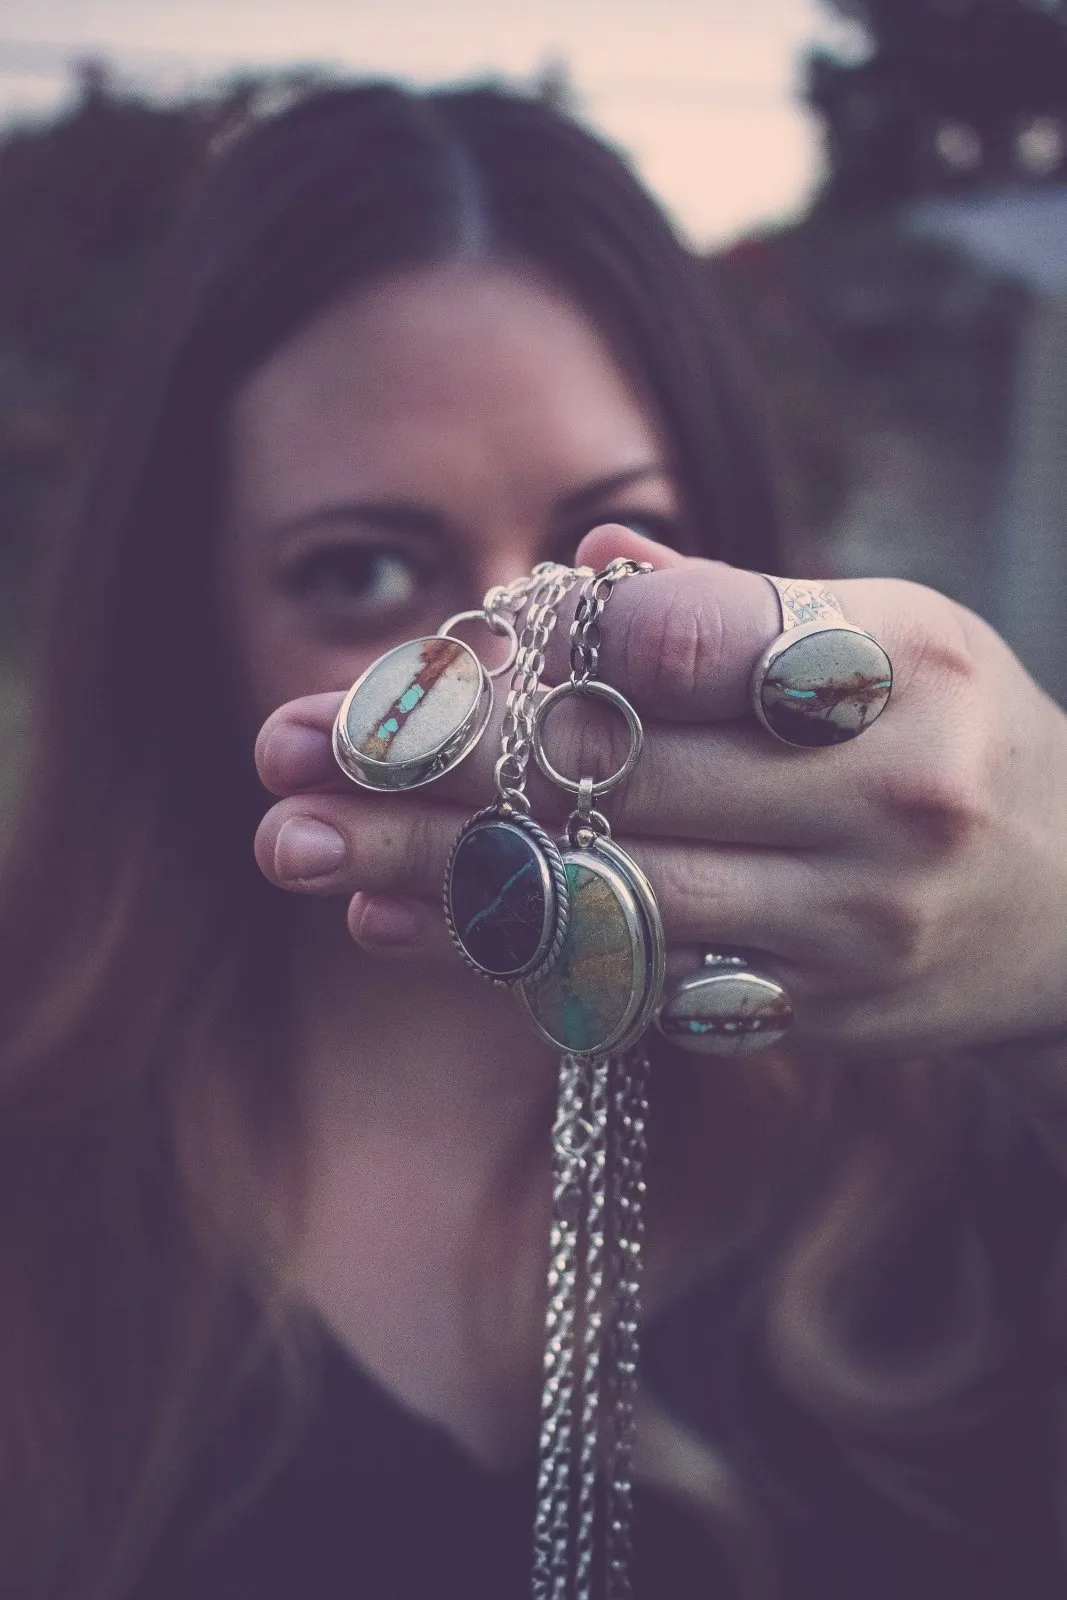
column 682, row 642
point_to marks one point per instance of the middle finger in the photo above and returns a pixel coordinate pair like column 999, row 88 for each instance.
column 724, row 782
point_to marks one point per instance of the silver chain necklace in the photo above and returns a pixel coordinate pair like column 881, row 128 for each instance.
column 583, row 1523
column 574, row 928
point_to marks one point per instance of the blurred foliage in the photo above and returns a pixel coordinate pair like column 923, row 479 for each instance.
column 86, row 201
column 952, row 95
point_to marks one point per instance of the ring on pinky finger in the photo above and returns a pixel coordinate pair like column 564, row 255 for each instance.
column 726, row 1009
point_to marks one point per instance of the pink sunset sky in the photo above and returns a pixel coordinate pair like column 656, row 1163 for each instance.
column 701, row 93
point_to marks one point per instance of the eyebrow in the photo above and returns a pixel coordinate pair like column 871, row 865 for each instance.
column 602, row 488
column 399, row 516
column 395, row 516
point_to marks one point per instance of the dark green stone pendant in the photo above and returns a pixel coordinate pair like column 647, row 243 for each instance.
column 506, row 896
column 599, row 994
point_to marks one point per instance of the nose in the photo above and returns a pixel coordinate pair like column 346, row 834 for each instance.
column 507, row 560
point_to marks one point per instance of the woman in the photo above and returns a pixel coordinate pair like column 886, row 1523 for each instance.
column 275, row 1190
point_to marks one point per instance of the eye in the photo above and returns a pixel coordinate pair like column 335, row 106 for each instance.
column 366, row 577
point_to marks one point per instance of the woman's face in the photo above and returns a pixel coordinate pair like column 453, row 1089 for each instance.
column 414, row 444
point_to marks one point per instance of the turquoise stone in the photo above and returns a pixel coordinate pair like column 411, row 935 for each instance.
column 413, row 699
column 417, row 712
column 826, row 687
column 500, row 899
column 587, row 998
column 727, row 1012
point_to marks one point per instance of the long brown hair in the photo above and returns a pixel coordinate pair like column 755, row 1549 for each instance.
column 140, row 954
column 142, row 967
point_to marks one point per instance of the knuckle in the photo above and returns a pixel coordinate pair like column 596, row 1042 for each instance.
column 897, row 928
column 378, row 847
column 942, row 643
column 672, row 650
column 411, row 848
column 940, row 802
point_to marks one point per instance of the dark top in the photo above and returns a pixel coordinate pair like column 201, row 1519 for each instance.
column 372, row 1503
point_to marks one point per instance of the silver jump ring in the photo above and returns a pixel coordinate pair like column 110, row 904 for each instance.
column 821, row 681
column 503, row 626
column 597, row 690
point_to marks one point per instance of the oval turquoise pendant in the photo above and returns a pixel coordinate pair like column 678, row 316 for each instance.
column 413, row 715
column 600, row 992
column 506, row 896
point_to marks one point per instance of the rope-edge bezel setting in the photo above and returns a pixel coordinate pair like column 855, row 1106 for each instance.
column 547, row 953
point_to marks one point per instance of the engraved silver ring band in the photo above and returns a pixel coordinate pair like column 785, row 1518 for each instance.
column 822, row 681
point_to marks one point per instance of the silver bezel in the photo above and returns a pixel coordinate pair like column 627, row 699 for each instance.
column 784, row 642
column 721, row 1044
column 389, row 776
column 638, row 902
column 553, row 884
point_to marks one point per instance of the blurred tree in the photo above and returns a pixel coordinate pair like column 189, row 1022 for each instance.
column 554, row 85
column 952, row 95
column 85, row 202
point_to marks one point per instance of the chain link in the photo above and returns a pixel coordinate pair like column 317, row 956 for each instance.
column 593, row 1330
column 582, row 1527
column 585, row 637
column 552, row 1522
column 552, row 584
column 626, row 1163
column 590, row 1366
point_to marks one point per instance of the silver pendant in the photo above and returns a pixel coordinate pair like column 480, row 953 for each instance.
column 418, row 711
column 506, row 895
column 599, row 994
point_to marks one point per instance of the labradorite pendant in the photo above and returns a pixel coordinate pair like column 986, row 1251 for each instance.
column 413, row 715
column 506, row 895
column 600, row 992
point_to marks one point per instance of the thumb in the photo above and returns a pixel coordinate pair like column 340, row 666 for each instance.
column 614, row 539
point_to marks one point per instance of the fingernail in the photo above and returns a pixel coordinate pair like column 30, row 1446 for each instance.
column 306, row 848
column 297, row 757
column 388, row 924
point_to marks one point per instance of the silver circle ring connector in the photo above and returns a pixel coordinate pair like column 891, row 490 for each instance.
column 496, row 623
column 821, row 681
column 599, row 691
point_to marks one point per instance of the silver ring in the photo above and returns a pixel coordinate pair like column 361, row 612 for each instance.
column 503, row 626
column 602, row 691
column 725, row 1009
column 821, row 681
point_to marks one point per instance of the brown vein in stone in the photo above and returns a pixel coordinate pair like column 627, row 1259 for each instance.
column 437, row 656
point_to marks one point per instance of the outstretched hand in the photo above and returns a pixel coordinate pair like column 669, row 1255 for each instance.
column 907, row 888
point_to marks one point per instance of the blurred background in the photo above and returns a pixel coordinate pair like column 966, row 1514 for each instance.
column 878, row 186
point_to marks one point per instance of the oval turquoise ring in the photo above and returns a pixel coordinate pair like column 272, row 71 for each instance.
column 725, row 1009
column 821, row 681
